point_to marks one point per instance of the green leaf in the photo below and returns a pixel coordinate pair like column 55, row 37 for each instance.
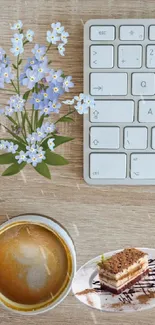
column 26, row 42
column 20, row 61
column 54, row 159
column 7, row 158
column 26, row 95
column 60, row 119
column 14, row 169
column 66, row 119
column 14, row 66
column 39, row 123
column 50, row 61
column 43, row 170
column 12, row 120
column 58, row 140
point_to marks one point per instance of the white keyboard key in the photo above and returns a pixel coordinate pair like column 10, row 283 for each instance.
column 108, row 84
column 132, row 33
column 101, row 56
column 104, row 137
column 142, row 166
column 146, row 111
column 152, row 32
column 102, row 33
column 135, row 138
column 130, row 56
column 143, row 84
column 150, row 56
column 112, row 111
column 153, row 138
column 108, row 165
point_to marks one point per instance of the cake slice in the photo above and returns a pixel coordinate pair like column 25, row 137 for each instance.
column 122, row 270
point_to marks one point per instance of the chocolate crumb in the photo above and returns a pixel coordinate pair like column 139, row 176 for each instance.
column 121, row 260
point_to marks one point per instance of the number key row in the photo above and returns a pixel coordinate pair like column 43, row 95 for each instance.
column 129, row 56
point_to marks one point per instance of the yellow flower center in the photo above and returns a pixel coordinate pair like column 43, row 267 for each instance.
column 31, row 62
column 45, row 95
column 54, row 105
column 55, row 89
column 17, row 48
column 6, row 74
column 32, row 78
column 38, row 50
column 37, row 100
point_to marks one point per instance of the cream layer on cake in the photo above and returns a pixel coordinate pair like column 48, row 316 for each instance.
column 124, row 277
column 123, row 268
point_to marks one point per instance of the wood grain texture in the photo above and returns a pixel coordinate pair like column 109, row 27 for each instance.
column 99, row 218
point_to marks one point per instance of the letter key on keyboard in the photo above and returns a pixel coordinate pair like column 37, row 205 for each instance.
column 119, row 72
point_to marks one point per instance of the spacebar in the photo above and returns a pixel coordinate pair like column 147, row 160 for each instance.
column 108, row 165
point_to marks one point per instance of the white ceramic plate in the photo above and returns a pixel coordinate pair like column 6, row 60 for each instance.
column 86, row 288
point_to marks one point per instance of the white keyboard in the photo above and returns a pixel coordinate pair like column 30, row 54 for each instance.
column 119, row 72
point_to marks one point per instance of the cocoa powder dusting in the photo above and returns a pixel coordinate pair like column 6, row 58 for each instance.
column 85, row 292
column 143, row 299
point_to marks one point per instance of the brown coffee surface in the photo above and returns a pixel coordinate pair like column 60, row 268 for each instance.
column 34, row 264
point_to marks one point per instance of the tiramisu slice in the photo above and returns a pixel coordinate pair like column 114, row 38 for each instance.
column 122, row 270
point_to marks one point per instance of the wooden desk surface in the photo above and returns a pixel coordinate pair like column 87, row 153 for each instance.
column 99, row 219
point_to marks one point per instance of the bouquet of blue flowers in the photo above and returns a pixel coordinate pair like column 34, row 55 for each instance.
column 34, row 136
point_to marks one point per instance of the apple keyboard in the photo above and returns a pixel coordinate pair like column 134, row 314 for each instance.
column 119, row 72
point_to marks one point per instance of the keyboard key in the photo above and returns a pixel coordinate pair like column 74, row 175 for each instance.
column 107, row 165
column 152, row 32
column 142, row 166
column 132, row 33
column 108, row 84
column 146, row 111
column 153, row 138
column 102, row 33
column 135, row 138
column 112, row 111
column 150, row 56
column 143, row 84
column 104, row 137
column 101, row 56
column 130, row 56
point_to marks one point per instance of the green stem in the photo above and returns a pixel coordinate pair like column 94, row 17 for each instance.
column 12, row 120
column 10, row 91
column 35, row 119
column 23, row 124
column 65, row 116
column 28, row 122
column 32, row 117
column 18, row 87
column 49, row 46
column 14, row 86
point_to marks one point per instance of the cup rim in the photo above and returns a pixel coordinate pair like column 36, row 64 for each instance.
column 67, row 289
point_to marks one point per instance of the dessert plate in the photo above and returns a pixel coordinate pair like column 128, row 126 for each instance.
column 86, row 288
